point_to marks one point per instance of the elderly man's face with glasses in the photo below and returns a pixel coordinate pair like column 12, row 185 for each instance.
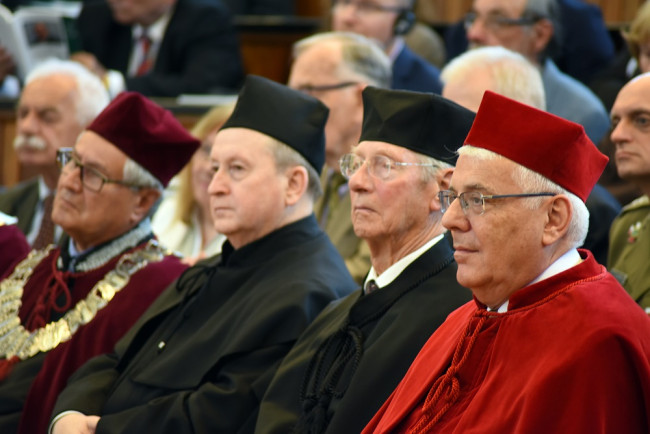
column 93, row 204
column 392, row 200
column 504, row 23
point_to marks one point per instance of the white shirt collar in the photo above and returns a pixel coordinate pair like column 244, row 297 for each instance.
column 156, row 31
column 396, row 269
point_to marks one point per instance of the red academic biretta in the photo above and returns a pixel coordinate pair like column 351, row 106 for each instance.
column 147, row 133
column 547, row 144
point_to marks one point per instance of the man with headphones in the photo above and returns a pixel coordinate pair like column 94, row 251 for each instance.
column 386, row 21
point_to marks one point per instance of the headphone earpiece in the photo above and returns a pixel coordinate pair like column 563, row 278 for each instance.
column 404, row 22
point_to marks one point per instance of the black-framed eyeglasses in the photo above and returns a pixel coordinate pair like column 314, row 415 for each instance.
column 496, row 22
column 91, row 178
column 309, row 88
column 379, row 166
column 475, row 200
column 367, row 7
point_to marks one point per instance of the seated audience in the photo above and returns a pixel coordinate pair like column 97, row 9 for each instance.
column 630, row 234
column 201, row 358
column 507, row 73
column 387, row 21
column 551, row 342
column 161, row 47
column 335, row 67
column 66, row 305
column 59, row 100
column 349, row 360
column 183, row 221
column 530, row 28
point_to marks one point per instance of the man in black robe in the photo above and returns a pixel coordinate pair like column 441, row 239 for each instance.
column 348, row 361
column 201, row 358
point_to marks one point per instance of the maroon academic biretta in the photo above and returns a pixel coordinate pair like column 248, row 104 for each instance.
column 147, row 133
column 547, row 144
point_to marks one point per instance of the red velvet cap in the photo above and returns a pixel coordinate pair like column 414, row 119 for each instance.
column 147, row 133
column 547, row 144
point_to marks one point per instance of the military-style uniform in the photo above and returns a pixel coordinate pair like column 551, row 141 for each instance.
column 629, row 250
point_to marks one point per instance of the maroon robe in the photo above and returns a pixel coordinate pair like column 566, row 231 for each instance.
column 97, row 337
column 13, row 247
column 571, row 355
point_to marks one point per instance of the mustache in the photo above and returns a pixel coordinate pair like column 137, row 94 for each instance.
column 33, row 142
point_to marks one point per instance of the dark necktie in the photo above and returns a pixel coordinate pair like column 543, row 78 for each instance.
column 145, row 64
column 45, row 235
column 371, row 286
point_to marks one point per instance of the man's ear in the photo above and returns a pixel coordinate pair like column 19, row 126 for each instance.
column 543, row 31
column 558, row 219
column 144, row 200
column 297, row 183
column 443, row 179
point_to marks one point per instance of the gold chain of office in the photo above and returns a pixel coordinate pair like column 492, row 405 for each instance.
column 15, row 340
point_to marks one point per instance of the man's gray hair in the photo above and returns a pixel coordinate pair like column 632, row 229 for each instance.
column 92, row 96
column 550, row 10
column 513, row 75
column 286, row 157
column 532, row 182
column 361, row 55
column 134, row 173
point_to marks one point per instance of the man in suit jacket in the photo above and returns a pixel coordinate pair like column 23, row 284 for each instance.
column 191, row 48
column 335, row 67
column 386, row 21
column 200, row 359
column 59, row 100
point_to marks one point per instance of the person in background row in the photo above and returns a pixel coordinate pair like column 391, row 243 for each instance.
column 387, row 21
column 551, row 341
column 629, row 252
column 65, row 305
column 509, row 74
column 335, row 67
column 353, row 355
column 530, row 27
column 161, row 47
column 183, row 221
column 59, row 100
column 201, row 358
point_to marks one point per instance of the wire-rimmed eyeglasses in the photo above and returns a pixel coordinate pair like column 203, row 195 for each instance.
column 496, row 22
column 91, row 178
column 475, row 200
column 379, row 166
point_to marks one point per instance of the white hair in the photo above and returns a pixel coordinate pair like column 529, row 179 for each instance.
column 513, row 76
column 134, row 173
column 531, row 181
column 92, row 96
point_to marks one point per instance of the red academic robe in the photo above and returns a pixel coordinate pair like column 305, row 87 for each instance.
column 571, row 355
column 97, row 337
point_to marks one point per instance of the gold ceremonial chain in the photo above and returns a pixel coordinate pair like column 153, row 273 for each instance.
column 15, row 340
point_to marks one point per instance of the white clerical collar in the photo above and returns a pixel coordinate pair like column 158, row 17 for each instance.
column 396, row 269
column 563, row 263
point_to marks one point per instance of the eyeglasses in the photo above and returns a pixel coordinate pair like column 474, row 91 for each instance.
column 308, row 88
column 367, row 7
column 496, row 22
column 91, row 178
column 475, row 201
column 379, row 166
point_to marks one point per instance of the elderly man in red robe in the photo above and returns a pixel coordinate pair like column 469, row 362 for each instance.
column 551, row 342
column 61, row 306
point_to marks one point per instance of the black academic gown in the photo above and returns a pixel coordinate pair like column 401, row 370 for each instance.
column 390, row 325
column 201, row 357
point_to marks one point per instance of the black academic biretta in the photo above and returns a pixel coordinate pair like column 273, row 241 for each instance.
column 292, row 117
column 422, row 122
